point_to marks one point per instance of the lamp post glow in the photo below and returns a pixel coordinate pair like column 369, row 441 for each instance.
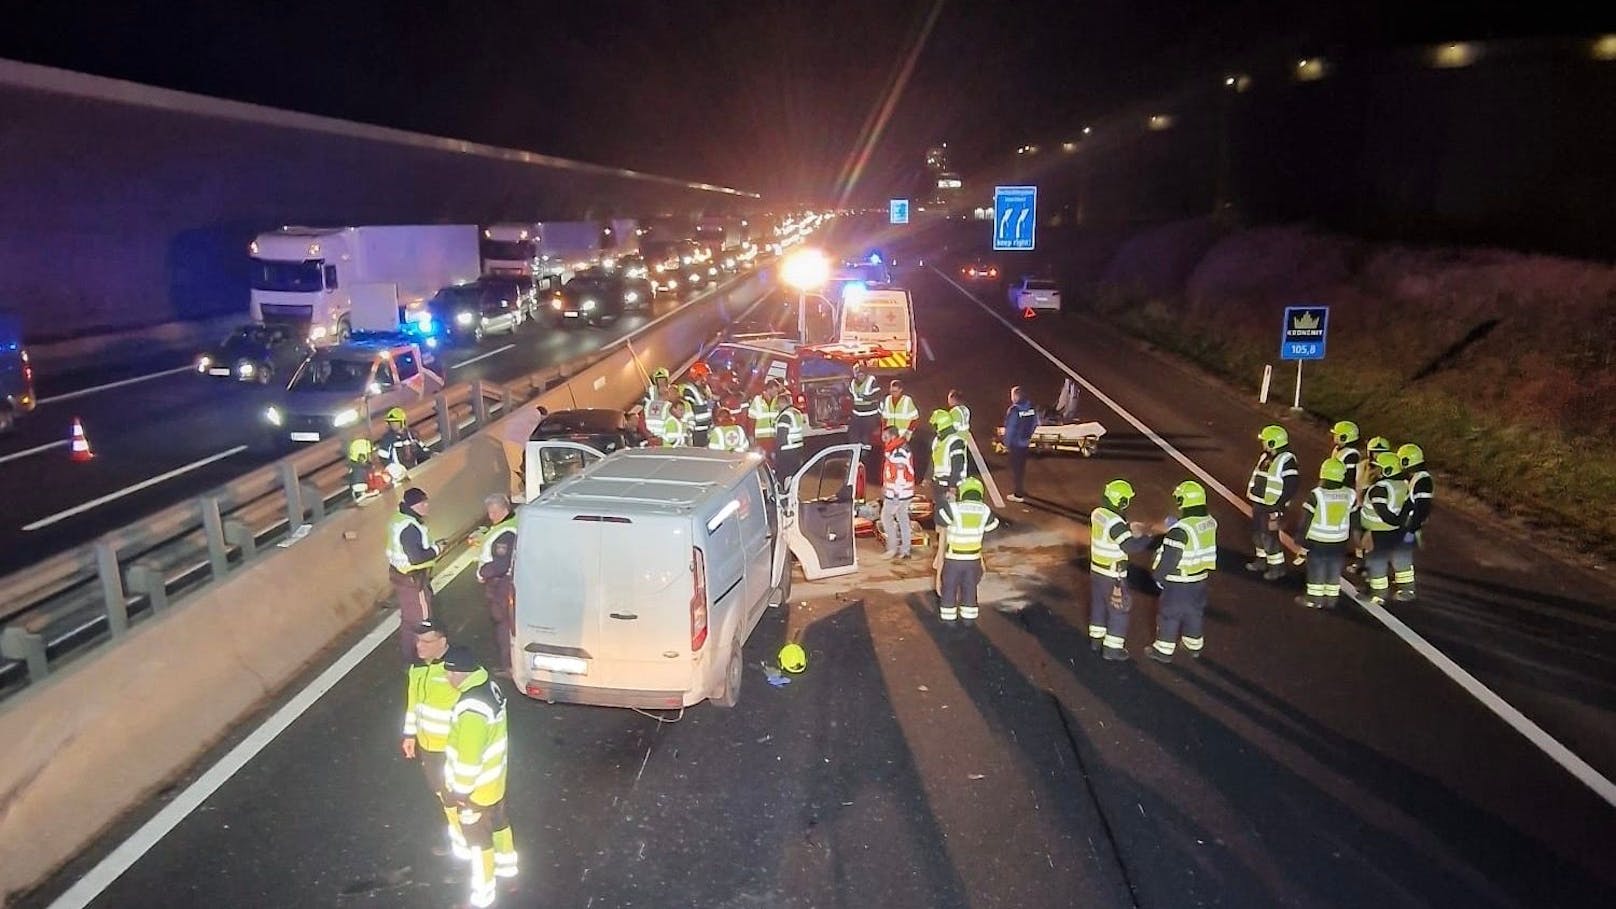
column 805, row 269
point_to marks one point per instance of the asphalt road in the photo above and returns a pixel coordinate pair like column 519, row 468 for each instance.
column 1308, row 759
column 175, row 420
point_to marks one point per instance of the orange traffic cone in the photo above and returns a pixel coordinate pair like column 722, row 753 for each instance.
column 79, row 444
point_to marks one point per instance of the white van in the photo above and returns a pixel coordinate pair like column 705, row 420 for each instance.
column 641, row 574
column 878, row 321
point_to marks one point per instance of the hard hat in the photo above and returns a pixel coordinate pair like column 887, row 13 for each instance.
column 397, row 415
column 793, row 658
column 1379, row 444
column 1388, row 464
column 971, row 486
column 1274, row 437
column 699, row 370
column 1346, row 432
column 1411, row 455
column 661, row 372
column 1333, row 469
column 1189, row 494
column 1119, row 493
column 940, row 419
column 360, row 450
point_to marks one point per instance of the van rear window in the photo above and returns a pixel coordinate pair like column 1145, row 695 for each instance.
column 602, row 518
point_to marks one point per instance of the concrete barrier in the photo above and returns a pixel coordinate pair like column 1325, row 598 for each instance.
column 92, row 741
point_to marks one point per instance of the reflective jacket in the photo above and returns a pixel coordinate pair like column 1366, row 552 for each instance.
column 1421, row 496
column 409, row 548
column 764, row 414
column 727, row 438
column 898, row 474
column 1273, row 480
column 1383, row 505
column 899, row 414
column 962, row 417
column 699, row 407
column 671, row 430
column 788, row 428
column 474, row 757
column 948, row 459
column 967, row 522
column 1189, row 552
column 1108, row 532
column 1329, row 514
column 429, row 701
column 866, row 397
column 495, row 559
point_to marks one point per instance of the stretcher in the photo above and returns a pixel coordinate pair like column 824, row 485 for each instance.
column 1082, row 438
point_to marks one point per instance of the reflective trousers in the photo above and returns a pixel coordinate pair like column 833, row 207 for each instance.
column 1265, row 536
column 960, row 579
column 1390, row 559
column 1325, row 562
column 1108, row 622
column 493, row 848
column 432, row 768
column 1180, row 613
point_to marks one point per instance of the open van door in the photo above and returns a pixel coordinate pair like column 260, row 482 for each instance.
column 819, row 513
column 548, row 463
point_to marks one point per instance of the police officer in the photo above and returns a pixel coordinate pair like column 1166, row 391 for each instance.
column 429, row 701
column 1383, row 515
column 898, row 409
column 1272, row 487
column 411, row 555
column 1019, row 423
column 790, row 427
column 496, row 560
column 866, row 418
column 765, row 413
column 728, row 435
column 1186, row 559
column 1421, row 497
column 399, row 449
column 968, row 519
column 698, row 396
column 1327, row 532
column 1111, row 539
column 475, row 769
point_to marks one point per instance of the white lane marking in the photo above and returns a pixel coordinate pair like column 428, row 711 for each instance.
column 497, row 350
column 32, row 451
column 87, row 888
column 68, row 396
column 1531, row 731
column 129, row 490
column 987, row 475
column 925, row 348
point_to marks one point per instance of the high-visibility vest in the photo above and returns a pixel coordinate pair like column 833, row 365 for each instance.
column 428, row 705
column 1332, row 515
column 672, row 431
column 1420, row 484
column 1106, row 556
column 486, row 555
column 1273, row 477
column 943, row 452
column 969, row 522
column 1350, row 458
column 700, row 410
column 475, row 755
column 790, row 422
column 898, row 475
column 763, row 413
column 899, row 414
column 962, row 417
column 1198, row 551
column 1394, row 493
column 727, row 438
column 396, row 556
column 866, row 397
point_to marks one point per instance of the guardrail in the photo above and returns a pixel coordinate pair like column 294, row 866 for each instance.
column 71, row 603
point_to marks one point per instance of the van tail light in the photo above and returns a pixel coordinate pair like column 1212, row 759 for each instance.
column 858, row 485
column 698, row 601
column 993, row 272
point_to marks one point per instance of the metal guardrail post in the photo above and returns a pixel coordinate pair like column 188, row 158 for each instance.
column 479, row 404
column 291, row 488
column 18, row 644
column 148, row 579
column 213, row 529
column 507, row 400
column 112, row 596
column 240, row 536
column 445, row 424
column 316, row 503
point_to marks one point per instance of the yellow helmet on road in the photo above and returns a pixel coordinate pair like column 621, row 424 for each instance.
column 1189, row 494
column 1274, row 437
column 971, row 487
column 1345, row 432
column 1119, row 493
column 793, row 658
column 397, row 415
column 360, row 450
column 1333, row 469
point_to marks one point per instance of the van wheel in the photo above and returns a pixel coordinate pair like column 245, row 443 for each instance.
column 781, row 595
column 731, row 694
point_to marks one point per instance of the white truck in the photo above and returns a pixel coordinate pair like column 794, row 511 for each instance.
column 511, row 248
column 574, row 244
column 310, row 276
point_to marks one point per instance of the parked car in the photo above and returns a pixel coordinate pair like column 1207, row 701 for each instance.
column 350, row 385
column 1035, row 294
column 256, row 353
column 979, row 271
column 595, row 297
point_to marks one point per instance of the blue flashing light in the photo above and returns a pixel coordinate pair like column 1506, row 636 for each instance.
column 875, row 258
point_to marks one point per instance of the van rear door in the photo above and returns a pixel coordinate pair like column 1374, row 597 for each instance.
column 545, row 464
column 819, row 526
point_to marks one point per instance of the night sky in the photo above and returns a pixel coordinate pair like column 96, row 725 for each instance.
column 764, row 95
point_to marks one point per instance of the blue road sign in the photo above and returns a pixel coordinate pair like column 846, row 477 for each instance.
column 1303, row 331
column 1015, row 217
column 898, row 211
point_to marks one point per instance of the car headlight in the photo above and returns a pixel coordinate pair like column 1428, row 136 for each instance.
column 556, row 303
column 673, row 283
column 712, row 270
column 273, row 415
column 588, row 305
column 246, row 370
column 317, row 332
column 346, row 418
column 660, row 268
column 631, row 297
column 464, row 318
column 203, row 362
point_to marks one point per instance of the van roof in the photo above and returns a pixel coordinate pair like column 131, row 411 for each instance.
column 650, row 481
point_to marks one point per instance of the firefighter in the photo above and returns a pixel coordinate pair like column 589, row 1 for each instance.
column 765, row 412
column 429, row 700
column 1326, row 531
column 496, row 560
column 1345, row 434
column 968, row 519
column 1376, row 446
column 1111, row 539
column 1421, row 497
column 411, row 555
column 790, row 427
column 361, row 465
column 898, row 409
column 399, row 449
column 728, row 435
column 1382, row 516
column 475, row 769
column 1270, row 491
column 1186, row 559
column 948, row 459
column 866, row 417
column 698, row 397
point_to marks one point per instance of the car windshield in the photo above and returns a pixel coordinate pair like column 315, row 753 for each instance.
column 451, row 297
column 332, row 374
column 1040, row 285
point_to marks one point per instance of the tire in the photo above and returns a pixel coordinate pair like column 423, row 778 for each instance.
column 344, row 330
column 734, row 672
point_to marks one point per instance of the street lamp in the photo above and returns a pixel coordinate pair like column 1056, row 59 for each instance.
column 805, row 269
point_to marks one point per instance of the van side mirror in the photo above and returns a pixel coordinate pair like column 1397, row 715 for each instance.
column 372, row 389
